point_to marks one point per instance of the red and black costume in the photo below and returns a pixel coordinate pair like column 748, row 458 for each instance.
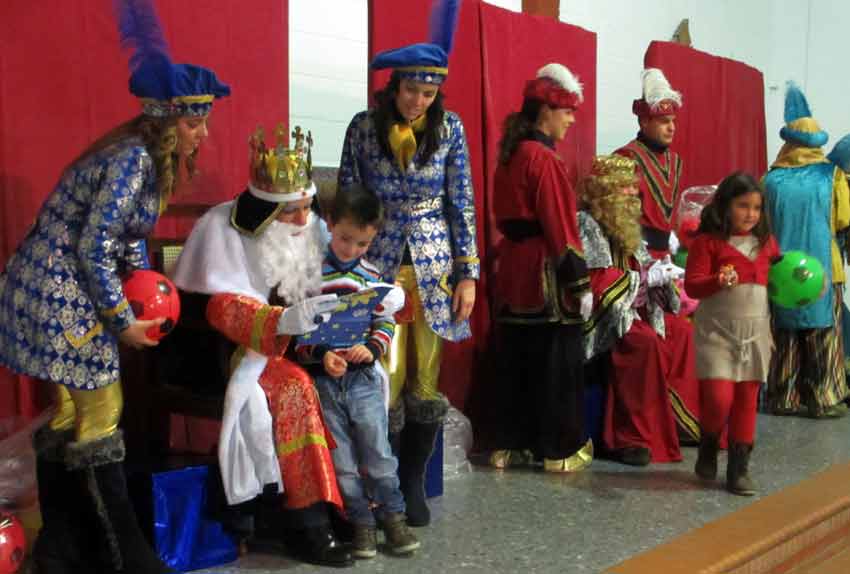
column 652, row 395
column 660, row 171
column 540, row 274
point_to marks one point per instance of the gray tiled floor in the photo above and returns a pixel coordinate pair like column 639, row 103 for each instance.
column 539, row 523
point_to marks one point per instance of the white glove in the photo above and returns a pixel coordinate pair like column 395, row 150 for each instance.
column 662, row 273
column 586, row 305
column 392, row 302
column 673, row 243
column 655, row 274
column 306, row 315
column 675, row 272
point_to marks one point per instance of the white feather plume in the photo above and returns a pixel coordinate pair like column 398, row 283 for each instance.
column 561, row 75
column 656, row 88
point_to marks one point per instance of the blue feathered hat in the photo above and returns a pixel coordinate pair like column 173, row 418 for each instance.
column 166, row 89
column 800, row 127
column 426, row 62
column 840, row 154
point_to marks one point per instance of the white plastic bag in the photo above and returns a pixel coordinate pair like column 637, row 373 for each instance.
column 457, row 442
column 18, row 487
column 690, row 208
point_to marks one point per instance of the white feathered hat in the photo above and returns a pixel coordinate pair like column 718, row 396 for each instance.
column 556, row 86
column 659, row 97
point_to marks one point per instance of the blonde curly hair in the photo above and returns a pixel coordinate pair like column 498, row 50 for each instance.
column 159, row 136
column 617, row 213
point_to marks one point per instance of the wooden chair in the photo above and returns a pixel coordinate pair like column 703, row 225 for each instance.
column 186, row 374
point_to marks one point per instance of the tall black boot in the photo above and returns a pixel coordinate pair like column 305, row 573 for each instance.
column 395, row 424
column 62, row 545
column 738, row 479
column 424, row 419
column 98, row 467
column 706, row 466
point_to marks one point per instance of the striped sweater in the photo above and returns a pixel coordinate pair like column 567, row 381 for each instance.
column 344, row 278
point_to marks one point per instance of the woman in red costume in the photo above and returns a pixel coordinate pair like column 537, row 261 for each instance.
column 542, row 289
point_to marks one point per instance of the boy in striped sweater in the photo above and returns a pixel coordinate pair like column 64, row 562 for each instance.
column 350, row 385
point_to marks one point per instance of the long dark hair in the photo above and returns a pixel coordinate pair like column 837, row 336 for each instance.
column 159, row 136
column 386, row 114
column 716, row 219
column 517, row 127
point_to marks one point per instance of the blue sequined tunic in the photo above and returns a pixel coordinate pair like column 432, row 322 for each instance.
column 61, row 301
column 430, row 208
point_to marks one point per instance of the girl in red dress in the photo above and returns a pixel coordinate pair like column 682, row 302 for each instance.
column 727, row 270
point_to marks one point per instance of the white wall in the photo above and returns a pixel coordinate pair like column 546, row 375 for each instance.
column 515, row 5
column 785, row 39
column 827, row 72
column 328, row 55
column 806, row 46
column 788, row 39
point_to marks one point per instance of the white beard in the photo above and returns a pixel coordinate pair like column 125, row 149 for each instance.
column 291, row 262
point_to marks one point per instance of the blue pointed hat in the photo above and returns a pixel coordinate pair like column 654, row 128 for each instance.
column 800, row 127
column 840, row 154
column 426, row 62
column 166, row 89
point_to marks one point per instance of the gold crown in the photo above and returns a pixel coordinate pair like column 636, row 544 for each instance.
column 281, row 169
column 609, row 173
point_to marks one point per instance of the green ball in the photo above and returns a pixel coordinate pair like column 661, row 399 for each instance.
column 681, row 257
column 795, row 280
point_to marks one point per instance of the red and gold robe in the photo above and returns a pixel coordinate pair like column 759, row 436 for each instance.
column 541, row 269
column 653, row 392
column 302, row 443
column 660, row 173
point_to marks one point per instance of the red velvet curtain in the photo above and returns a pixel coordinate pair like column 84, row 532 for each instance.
column 721, row 127
column 63, row 82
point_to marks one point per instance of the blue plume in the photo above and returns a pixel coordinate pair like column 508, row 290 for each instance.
column 140, row 32
column 796, row 106
column 444, row 15
column 840, row 154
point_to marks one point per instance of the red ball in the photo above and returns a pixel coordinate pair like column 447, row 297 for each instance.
column 152, row 295
column 13, row 544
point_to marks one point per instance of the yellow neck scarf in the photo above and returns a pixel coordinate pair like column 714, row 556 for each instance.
column 402, row 140
column 798, row 156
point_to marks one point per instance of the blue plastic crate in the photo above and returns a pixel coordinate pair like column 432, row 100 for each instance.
column 434, row 470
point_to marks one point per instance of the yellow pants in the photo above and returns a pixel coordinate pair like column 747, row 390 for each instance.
column 413, row 362
column 92, row 414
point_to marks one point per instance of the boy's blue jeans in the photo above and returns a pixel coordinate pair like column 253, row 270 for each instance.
column 354, row 411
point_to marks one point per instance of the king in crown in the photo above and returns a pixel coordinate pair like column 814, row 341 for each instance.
column 259, row 258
